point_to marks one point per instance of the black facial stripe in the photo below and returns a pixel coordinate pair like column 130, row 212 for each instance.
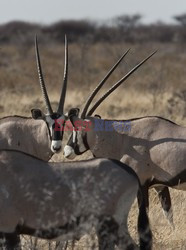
column 84, row 138
column 76, row 150
column 55, row 123
column 55, row 116
column 75, row 144
column 56, row 134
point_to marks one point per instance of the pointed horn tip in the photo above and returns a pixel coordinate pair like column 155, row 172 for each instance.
column 66, row 40
column 154, row 52
column 66, row 44
column 35, row 38
column 126, row 52
column 36, row 44
column 149, row 56
column 130, row 72
column 95, row 91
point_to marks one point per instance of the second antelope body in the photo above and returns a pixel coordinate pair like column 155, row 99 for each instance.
column 48, row 200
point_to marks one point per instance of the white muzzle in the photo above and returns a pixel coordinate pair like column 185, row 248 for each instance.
column 69, row 152
column 56, row 146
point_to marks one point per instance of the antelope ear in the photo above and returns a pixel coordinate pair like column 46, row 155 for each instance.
column 73, row 112
column 73, row 116
column 37, row 114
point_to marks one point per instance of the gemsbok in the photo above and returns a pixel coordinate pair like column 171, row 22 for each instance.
column 147, row 144
column 37, row 136
column 66, row 200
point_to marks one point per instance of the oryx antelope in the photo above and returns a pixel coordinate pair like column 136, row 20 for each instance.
column 48, row 200
column 146, row 144
column 37, row 136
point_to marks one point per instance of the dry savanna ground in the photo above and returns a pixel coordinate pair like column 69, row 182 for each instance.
column 158, row 88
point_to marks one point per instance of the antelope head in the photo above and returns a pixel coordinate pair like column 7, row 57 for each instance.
column 54, row 120
column 75, row 144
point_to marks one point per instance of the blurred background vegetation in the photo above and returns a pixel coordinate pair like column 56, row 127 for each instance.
column 159, row 87
column 124, row 28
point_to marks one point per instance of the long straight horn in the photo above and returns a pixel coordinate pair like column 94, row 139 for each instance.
column 41, row 79
column 64, row 88
column 95, row 91
column 117, row 84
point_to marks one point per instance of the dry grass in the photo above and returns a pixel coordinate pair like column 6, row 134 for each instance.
column 158, row 88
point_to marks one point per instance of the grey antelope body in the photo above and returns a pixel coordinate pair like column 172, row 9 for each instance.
column 49, row 200
column 31, row 136
column 26, row 135
column 157, row 155
column 135, row 146
column 37, row 137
